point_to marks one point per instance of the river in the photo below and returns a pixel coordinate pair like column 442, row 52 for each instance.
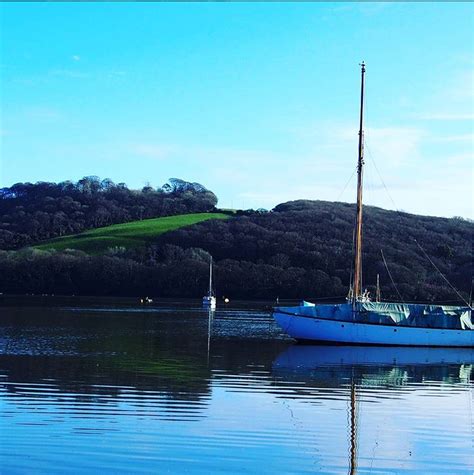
column 114, row 386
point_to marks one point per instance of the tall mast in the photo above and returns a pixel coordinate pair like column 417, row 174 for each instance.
column 360, row 164
column 210, row 277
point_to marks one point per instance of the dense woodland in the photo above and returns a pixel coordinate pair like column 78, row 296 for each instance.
column 304, row 248
column 33, row 212
column 300, row 249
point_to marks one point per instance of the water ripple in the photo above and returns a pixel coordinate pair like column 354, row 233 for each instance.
column 173, row 389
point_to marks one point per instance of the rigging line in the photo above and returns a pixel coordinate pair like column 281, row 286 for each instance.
column 442, row 275
column 347, row 184
column 380, row 176
column 400, row 216
column 390, row 275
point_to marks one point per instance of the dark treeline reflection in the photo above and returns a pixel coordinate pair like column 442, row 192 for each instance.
column 189, row 379
column 168, row 360
column 95, row 353
column 298, row 250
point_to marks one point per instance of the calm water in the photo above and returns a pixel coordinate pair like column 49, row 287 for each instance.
column 102, row 386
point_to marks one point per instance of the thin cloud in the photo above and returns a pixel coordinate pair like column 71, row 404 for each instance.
column 76, row 57
column 446, row 117
column 117, row 73
column 43, row 114
column 460, row 138
column 393, row 145
column 461, row 89
column 460, row 160
column 152, row 151
column 454, row 99
column 70, row 73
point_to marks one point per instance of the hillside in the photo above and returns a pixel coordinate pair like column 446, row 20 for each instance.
column 127, row 235
column 304, row 248
column 33, row 212
column 301, row 249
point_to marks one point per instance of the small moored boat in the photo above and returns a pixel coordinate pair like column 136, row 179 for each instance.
column 209, row 300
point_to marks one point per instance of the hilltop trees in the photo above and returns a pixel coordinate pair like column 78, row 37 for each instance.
column 33, row 212
column 300, row 249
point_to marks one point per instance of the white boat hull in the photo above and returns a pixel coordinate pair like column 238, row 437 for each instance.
column 209, row 302
column 312, row 328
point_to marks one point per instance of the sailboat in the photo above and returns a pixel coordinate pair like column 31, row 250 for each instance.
column 209, row 300
column 362, row 321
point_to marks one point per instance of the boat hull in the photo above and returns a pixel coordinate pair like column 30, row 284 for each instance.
column 314, row 329
column 209, row 302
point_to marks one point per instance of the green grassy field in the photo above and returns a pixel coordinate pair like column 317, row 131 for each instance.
column 128, row 235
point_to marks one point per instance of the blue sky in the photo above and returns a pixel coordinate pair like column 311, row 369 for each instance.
column 256, row 101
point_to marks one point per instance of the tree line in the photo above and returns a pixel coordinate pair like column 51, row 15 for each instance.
column 30, row 213
column 300, row 249
column 305, row 248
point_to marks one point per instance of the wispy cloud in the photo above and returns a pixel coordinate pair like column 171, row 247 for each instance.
column 117, row 73
column 73, row 72
column 152, row 151
column 446, row 116
column 70, row 73
column 253, row 178
column 459, row 138
column 76, row 57
column 460, row 160
column 454, row 99
column 337, row 142
column 395, row 145
column 461, row 87
column 43, row 114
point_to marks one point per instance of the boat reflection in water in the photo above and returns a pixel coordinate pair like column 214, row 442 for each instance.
column 374, row 367
column 304, row 357
column 378, row 375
